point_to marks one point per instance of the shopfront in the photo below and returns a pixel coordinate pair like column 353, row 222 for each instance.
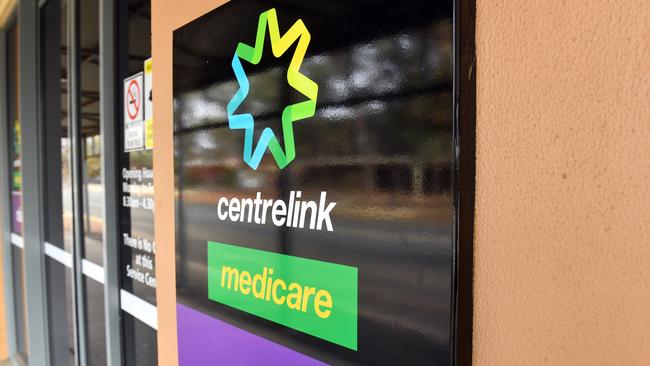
column 73, row 236
column 300, row 190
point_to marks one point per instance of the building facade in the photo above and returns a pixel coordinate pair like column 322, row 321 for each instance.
column 340, row 182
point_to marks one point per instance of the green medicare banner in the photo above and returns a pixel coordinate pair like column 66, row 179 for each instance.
column 314, row 297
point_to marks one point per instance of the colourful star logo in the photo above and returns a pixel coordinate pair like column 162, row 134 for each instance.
column 294, row 112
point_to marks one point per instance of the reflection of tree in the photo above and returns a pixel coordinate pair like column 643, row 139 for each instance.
column 65, row 160
column 383, row 118
column 93, row 167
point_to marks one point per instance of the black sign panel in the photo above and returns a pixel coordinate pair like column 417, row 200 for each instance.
column 313, row 166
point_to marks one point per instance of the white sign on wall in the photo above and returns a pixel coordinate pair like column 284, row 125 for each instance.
column 134, row 112
column 148, row 104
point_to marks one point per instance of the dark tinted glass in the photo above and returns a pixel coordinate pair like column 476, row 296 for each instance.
column 92, row 190
column 380, row 144
column 137, row 166
column 140, row 342
column 95, row 332
column 16, row 183
column 137, row 249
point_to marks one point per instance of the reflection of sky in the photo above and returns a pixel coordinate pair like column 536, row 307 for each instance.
column 205, row 140
column 372, row 72
column 197, row 109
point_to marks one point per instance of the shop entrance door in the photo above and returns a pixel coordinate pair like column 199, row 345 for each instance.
column 74, row 192
column 97, row 314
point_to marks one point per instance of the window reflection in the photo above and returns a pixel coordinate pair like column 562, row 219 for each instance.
column 92, row 191
column 377, row 85
column 380, row 143
column 15, row 166
column 58, row 230
column 138, row 339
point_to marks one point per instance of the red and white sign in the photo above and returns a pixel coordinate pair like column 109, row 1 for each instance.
column 133, row 91
column 133, row 113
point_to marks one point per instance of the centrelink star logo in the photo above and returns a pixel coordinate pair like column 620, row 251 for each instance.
column 297, row 32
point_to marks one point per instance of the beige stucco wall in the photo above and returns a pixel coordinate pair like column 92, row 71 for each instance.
column 562, row 241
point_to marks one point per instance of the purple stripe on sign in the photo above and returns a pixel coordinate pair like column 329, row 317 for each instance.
column 204, row 340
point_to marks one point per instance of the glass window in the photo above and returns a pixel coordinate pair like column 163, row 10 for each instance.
column 58, row 182
column 13, row 119
column 136, row 221
column 377, row 154
column 92, row 192
column 95, row 322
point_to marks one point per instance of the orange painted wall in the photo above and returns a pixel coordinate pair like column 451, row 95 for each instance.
column 562, row 241
column 167, row 15
column 6, row 9
column 3, row 316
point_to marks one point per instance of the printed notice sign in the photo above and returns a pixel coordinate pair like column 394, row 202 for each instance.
column 133, row 136
column 148, row 104
column 133, row 113
column 136, row 242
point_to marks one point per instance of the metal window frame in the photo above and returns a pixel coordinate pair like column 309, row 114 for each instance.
column 464, row 179
column 32, row 184
column 110, row 179
column 76, row 141
column 28, row 13
column 56, row 270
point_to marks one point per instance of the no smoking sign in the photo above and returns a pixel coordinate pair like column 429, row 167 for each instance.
column 133, row 113
column 133, row 99
column 133, row 110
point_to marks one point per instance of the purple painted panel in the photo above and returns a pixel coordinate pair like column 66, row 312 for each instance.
column 204, row 340
column 17, row 212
